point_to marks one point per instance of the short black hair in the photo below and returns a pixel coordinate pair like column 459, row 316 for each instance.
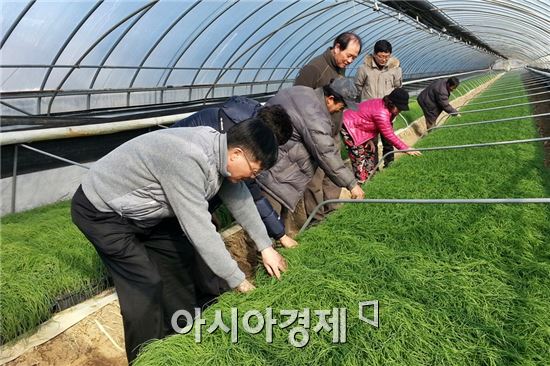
column 382, row 46
column 275, row 117
column 453, row 81
column 329, row 92
column 255, row 138
column 345, row 38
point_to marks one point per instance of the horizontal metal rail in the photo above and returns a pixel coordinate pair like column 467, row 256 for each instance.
column 509, row 98
column 444, row 76
column 437, row 201
column 125, row 67
column 489, row 121
column 479, row 201
column 484, row 96
column 502, row 107
column 456, row 147
column 547, row 74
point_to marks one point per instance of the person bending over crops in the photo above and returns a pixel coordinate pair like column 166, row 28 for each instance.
column 235, row 110
column 311, row 145
column 435, row 99
column 361, row 127
column 172, row 172
column 318, row 72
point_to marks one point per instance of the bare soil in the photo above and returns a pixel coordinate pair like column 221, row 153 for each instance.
column 84, row 344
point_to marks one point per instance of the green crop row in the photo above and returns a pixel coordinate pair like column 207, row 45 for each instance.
column 44, row 259
column 456, row 284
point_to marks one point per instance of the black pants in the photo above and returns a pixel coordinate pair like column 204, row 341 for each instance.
column 154, row 270
column 386, row 148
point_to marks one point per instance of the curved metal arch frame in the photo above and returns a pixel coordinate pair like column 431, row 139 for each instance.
column 16, row 22
column 514, row 49
column 292, row 21
column 300, row 60
column 262, row 5
column 451, row 50
column 101, row 38
column 117, row 42
column 477, row 8
column 513, row 35
column 68, row 40
column 420, row 66
column 258, row 44
column 250, row 36
column 460, row 14
column 386, row 14
column 393, row 37
column 158, row 41
column 419, row 44
column 192, row 38
column 516, row 7
column 304, row 54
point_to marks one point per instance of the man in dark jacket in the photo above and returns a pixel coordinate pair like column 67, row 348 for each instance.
column 435, row 99
column 312, row 144
column 323, row 68
column 233, row 111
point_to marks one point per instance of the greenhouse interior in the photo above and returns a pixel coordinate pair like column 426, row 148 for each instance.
column 282, row 182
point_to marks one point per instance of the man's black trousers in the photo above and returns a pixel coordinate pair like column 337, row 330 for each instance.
column 154, row 270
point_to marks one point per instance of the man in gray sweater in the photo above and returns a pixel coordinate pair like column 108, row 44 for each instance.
column 130, row 192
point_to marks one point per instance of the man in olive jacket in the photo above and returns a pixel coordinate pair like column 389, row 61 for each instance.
column 435, row 99
column 323, row 68
column 311, row 144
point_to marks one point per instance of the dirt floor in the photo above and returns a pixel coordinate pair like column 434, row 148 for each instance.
column 85, row 344
column 98, row 339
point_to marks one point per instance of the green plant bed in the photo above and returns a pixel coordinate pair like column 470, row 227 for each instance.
column 44, row 259
column 456, row 284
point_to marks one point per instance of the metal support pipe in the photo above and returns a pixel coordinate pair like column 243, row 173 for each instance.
column 501, row 99
column 538, row 71
column 507, row 93
column 515, row 89
column 55, row 156
column 14, row 137
column 443, row 76
column 523, row 82
column 489, row 121
column 455, row 147
column 14, row 179
column 482, row 201
column 503, row 107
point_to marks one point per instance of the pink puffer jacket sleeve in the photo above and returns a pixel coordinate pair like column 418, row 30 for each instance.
column 384, row 125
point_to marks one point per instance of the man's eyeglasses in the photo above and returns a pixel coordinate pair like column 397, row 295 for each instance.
column 253, row 173
column 382, row 56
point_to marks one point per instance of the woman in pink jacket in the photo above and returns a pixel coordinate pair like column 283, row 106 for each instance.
column 361, row 127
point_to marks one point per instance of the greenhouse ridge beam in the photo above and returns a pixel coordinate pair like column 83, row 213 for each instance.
column 432, row 17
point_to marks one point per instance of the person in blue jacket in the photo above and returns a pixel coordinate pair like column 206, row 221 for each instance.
column 235, row 110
